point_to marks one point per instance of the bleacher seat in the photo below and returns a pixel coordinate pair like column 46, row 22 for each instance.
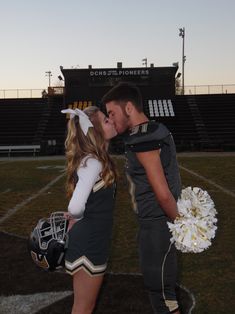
column 19, row 120
column 218, row 114
column 176, row 115
column 197, row 122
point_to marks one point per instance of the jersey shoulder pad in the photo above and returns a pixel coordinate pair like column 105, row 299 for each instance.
column 147, row 136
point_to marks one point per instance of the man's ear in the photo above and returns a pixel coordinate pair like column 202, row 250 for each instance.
column 129, row 107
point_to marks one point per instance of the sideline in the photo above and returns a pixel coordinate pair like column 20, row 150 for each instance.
column 25, row 158
column 62, row 157
column 206, row 154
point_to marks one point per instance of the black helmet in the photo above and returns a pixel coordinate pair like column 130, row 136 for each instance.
column 47, row 242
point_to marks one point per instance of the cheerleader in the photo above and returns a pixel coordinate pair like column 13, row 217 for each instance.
column 91, row 178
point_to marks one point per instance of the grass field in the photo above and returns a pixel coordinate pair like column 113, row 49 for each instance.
column 28, row 192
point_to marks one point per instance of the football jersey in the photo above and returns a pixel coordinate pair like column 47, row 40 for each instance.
column 145, row 137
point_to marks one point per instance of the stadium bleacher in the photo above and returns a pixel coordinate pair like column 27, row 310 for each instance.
column 19, row 120
column 197, row 122
column 53, row 136
column 218, row 114
column 30, row 122
column 176, row 115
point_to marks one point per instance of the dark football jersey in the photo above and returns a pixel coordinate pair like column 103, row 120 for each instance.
column 142, row 138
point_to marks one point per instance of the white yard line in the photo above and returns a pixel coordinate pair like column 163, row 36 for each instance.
column 13, row 210
column 6, row 191
column 30, row 303
column 208, row 181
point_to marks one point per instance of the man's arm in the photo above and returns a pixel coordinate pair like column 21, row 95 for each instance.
column 152, row 164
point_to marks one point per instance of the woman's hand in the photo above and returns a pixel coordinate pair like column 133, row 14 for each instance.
column 71, row 220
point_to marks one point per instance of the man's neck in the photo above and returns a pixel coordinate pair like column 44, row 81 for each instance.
column 138, row 119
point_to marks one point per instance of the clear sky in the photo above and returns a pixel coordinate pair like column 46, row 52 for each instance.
column 40, row 35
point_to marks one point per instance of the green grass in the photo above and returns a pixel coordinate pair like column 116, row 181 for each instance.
column 209, row 275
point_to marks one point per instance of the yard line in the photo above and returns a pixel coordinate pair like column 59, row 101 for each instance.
column 38, row 301
column 30, row 303
column 6, row 191
column 5, row 302
column 12, row 211
column 208, row 181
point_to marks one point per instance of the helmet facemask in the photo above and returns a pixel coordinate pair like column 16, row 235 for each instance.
column 47, row 242
column 52, row 228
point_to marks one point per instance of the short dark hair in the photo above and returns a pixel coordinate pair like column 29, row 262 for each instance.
column 124, row 91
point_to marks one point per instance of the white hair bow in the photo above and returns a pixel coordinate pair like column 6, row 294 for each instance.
column 84, row 120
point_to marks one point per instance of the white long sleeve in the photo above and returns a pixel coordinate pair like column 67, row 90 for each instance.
column 87, row 177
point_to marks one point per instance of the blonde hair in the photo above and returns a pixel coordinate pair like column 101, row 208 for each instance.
column 78, row 146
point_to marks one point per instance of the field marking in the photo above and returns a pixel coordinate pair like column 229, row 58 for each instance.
column 31, row 300
column 13, row 210
column 30, row 303
column 6, row 191
column 208, row 181
column 191, row 296
column 179, row 285
column 61, row 168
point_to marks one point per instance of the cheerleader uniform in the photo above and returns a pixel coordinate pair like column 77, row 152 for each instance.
column 92, row 205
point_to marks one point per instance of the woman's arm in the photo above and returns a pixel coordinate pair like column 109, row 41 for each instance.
column 87, row 176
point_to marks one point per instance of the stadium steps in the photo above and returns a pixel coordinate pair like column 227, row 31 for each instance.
column 218, row 114
column 198, row 121
column 53, row 136
column 42, row 125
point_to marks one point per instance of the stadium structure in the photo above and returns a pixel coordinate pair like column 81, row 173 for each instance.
column 198, row 122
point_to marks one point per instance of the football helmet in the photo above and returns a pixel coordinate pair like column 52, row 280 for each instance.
column 48, row 241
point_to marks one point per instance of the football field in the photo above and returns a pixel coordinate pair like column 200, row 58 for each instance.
column 32, row 188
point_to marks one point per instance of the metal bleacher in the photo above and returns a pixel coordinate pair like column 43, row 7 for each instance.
column 31, row 125
column 197, row 122
column 54, row 133
column 218, row 115
column 176, row 115
column 19, row 120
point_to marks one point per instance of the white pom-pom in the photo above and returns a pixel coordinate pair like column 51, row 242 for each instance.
column 193, row 230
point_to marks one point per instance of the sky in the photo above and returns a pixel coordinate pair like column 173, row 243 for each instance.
column 40, row 36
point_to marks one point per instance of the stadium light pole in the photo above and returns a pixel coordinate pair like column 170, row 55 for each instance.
column 49, row 74
column 182, row 34
column 144, row 62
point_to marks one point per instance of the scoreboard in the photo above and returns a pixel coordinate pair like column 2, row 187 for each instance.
column 85, row 87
